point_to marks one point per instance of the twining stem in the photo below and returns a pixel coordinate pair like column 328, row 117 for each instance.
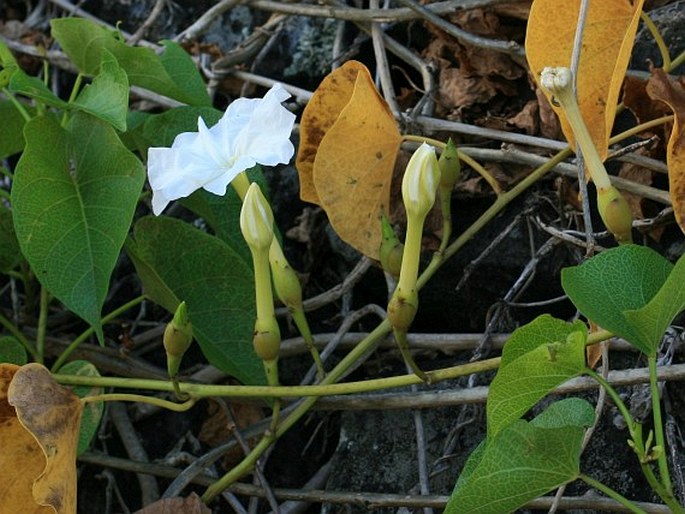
column 18, row 334
column 658, row 424
column 633, row 427
column 611, row 493
column 635, row 431
column 17, row 104
column 675, row 62
column 658, row 39
column 42, row 324
column 72, row 97
column 89, row 331
column 139, row 398
column 326, row 388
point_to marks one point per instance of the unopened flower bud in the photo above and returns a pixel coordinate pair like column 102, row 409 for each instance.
column 402, row 309
column 391, row 249
column 178, row 335
column 450, row 167
column 615, row 213
column 420, row 182
column 256, row 220
column 287, row 285
column 267, row 339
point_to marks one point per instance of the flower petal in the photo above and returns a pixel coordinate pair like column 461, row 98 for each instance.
column 266, row 137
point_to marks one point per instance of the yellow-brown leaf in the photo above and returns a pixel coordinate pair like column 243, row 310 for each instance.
column 318, row 117
column 21, row 459
column 52, row 414
column 672, row 93
column 607, row 42
column 354, row 165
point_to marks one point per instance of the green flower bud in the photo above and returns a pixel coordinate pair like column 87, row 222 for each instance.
column 450, row 166
column 391, row 249
column 285, row 280
column 615, row 213
column 402, row 309
column 256, row 220
column 178, row 335
column 267, row 339
column 420, row 182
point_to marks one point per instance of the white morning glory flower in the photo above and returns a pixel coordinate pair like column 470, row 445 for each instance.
column 252, row 131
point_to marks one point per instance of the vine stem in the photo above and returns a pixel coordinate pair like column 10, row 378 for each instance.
column 658, row 424
column 139, row 398
column 19, row 335
column 17, row 104
column 636, row 436
column 326, row 388
column 89, row 331
column 611, row 493
column 42, row 324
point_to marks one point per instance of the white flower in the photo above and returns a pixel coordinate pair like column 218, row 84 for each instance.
column 252, row 131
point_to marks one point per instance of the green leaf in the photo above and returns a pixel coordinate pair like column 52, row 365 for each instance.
column 107, row 97
column 133, row 137
column 183, row 71
column 12, row 351
column 537, row 358
column 10, row 254
column 92, row 411
column 655, row 317
column 523, row 461
column 169, row 75
column 33, row 87
column 12, row 139
column 73, row 198
column 214, row 281
column 617, row 280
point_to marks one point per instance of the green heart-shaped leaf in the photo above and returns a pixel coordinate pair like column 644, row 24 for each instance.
column 537, row 358
column 523, row 461
column 655, row 317
column 107, row 96
column 73, row 198
column 172, row 74
column 615, row 281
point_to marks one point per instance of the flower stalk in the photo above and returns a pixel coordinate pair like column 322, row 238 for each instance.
column 450, row 173
column 419, row 189
column 613, row 207
column 256, row 224
column 286, row 284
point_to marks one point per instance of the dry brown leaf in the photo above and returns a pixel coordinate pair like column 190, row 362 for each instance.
column 527, row 118
column 219, row 427
column 607, row 42
column 190, row 505
column 318, row 117
column 21, row 459
column 354, row 165
column 671, row 92
column 52, row 414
